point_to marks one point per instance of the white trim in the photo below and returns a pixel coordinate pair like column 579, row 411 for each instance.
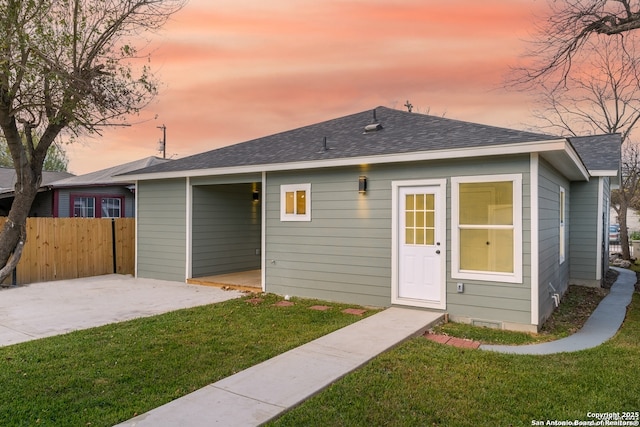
column 189, row 232
column 534, row 175
column 263, row 232
column 442, row 226
column 554, row 145
column 289, row 188
column 456, row 273
column 135, row 214
column 600, row 229
column 562, row 232
column 603, row 172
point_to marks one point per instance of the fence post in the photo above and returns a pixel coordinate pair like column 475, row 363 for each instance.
column 113, row 245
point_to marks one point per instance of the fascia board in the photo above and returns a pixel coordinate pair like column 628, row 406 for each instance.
column 557, row 145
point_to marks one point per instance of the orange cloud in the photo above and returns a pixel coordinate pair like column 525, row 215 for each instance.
column 236, row 70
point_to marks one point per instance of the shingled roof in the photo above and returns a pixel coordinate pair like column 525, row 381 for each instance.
column 105, row 176
column 598, row 152
column 347, row 137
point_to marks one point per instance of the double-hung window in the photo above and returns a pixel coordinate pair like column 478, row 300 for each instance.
column 295, row 202
column 487, row 228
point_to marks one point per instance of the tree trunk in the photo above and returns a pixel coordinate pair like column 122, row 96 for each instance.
column 13, row 234
column 624, row 233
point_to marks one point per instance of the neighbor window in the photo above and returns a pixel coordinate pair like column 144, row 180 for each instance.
column 97, row 206
column 84, row 207
column 111, row 207
column 562, row 214
column 295, row 202
column 487, row 228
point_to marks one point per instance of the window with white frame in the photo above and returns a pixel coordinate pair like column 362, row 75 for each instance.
column 84, row 207
column 295, row 202
column 111, row 207
column 486, row 232
column 562, row 214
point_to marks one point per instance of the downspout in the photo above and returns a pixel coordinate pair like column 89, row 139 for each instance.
column 600, row 230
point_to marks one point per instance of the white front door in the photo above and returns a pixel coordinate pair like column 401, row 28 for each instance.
column 420, row 245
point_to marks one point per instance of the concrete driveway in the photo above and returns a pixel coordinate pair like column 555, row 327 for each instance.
column 51, row 308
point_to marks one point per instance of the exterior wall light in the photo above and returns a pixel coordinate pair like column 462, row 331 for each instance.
column 256, row 196
column 362, row 184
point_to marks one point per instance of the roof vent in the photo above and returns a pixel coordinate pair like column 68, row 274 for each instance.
column 372, row 128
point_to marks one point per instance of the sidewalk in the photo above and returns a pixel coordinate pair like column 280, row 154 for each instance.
column 262, row 392
column 601, row 326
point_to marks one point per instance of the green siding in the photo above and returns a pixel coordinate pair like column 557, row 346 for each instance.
column 161, row 229
column 582, row 236
column 226, row 229
column 344, row 252
column 550, row 270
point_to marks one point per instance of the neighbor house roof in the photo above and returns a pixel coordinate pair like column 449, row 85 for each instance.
column 8, row 178
column 105, row 176
column 378, row 135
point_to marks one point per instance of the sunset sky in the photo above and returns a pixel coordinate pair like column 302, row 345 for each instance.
column 237, row 70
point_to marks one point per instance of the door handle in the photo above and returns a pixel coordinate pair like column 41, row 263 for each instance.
column 438, row 252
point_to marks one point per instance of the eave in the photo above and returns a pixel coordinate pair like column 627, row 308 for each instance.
column 558, row 152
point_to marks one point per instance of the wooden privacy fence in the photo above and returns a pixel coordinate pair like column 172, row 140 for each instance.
column 70, row 248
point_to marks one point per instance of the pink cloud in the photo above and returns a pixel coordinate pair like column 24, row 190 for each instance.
column 236, row 70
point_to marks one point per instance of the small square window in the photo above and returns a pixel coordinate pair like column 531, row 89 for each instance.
column 295, row 202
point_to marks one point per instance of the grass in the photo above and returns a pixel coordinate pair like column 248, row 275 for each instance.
column 422, row 383
column 106, row 375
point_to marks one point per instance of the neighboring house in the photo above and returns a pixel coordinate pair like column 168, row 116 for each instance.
column 387, row 207
column 43, row 203
column 97, row 194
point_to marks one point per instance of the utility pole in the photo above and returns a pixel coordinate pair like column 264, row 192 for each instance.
column 163, row 142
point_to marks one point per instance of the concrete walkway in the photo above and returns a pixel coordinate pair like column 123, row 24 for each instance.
column 52, row 308
column 601, row 326
column 262, row 392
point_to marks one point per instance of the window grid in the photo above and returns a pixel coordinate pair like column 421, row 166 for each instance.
column 419, row 219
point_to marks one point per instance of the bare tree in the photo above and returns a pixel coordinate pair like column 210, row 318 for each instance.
column 66, row 66
column 570, row 25
column 627, row 195
column 601, row 95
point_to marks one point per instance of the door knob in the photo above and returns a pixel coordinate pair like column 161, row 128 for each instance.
column 438, row 251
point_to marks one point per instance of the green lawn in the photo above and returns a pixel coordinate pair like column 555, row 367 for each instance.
column 421, row 383
column 105, row 375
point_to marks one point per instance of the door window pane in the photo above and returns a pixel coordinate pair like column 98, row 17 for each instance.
column 419, row 219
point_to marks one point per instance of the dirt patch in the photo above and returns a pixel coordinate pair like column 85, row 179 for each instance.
column 610, row 278
column 577, row 305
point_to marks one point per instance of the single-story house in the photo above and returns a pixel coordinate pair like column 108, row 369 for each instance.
column 387, row 207
column 97, row 194
column 43, row 203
